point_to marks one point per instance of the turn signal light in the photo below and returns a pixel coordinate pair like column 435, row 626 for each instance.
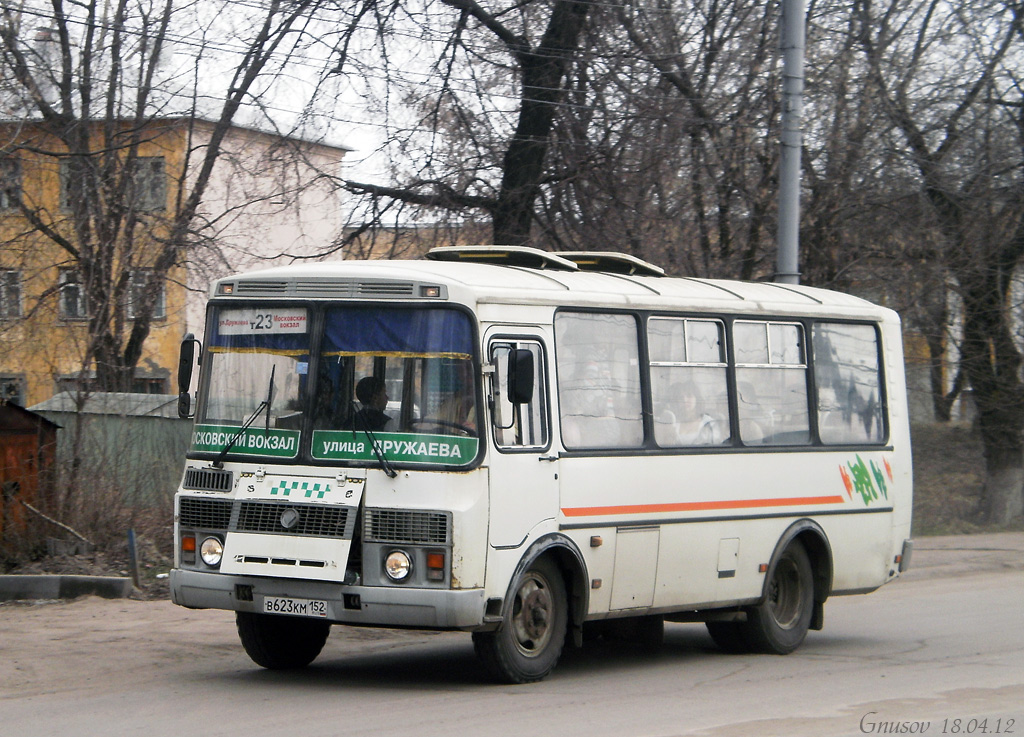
column 435, row 566
column 188, row 549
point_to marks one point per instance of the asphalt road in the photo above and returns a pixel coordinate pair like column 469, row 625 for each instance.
column 941, row 651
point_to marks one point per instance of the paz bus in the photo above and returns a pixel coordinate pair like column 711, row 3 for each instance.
column 532, row 447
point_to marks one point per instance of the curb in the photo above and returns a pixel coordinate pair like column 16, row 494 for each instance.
column 13, row 588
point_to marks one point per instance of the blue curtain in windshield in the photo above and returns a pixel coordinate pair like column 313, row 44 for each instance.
column 398, row 331
column 281, row 344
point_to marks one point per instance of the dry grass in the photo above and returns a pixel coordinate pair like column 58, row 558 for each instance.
column 949, row 474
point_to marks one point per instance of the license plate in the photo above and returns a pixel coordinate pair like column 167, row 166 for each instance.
column 296, row 607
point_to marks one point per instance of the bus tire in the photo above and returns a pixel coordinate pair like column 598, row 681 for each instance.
column 527, row 645
column 279, row 642
column 779, row 623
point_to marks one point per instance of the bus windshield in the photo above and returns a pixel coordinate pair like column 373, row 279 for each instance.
column 401, row 378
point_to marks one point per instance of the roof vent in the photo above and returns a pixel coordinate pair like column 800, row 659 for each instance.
column 531, row 258
column 611, row 262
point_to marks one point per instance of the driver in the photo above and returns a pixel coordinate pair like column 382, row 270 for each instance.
column 372, row 394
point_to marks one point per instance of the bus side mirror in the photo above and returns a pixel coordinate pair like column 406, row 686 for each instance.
column 186, row 360
column 520, row 376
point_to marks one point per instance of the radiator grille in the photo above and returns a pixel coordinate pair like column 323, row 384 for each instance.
column 407, row 526
column 204, row 514
column 312, row 520
column 207, row 479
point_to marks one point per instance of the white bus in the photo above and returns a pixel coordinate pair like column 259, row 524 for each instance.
column 531, row 446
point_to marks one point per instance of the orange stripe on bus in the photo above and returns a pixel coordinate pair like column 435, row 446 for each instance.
column 701, row 506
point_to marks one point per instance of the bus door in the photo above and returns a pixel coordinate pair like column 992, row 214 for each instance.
column 523, row 472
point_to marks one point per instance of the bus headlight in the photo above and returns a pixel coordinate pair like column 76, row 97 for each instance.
column 211, row 551
column 397, row 565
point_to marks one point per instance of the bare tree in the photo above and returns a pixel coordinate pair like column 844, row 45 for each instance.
column 963, row 137
column 93, row 85
column 522, row 51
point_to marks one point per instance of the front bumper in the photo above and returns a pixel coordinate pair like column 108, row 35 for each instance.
column 358, row 605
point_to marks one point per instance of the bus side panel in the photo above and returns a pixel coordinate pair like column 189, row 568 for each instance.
column 861, row 552
column 899, row 426
column 721, row 515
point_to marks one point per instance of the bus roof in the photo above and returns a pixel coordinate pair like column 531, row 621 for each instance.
column 494, row 282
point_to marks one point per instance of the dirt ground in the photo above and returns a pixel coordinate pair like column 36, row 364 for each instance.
column 949, row 475
column 144, row 633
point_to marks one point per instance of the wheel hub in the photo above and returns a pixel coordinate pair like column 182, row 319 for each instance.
column 531, row 616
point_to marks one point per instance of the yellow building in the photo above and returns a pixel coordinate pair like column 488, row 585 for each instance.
column 44, row 309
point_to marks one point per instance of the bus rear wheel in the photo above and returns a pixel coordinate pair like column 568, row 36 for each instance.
column 527, row 645
column 779, row 624
column 279, row 642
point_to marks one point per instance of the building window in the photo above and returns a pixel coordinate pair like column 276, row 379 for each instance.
column 73, row 304
column 71, row 170
column 10, row 293
column 148, row 184
column 10, row 183
column 12, row 389
column 137, row 291
column 149, row 386
column 87, row 383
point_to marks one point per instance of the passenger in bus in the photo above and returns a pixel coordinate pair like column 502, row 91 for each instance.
column 589, row 417
column 751, row 431
column 458, row 410
column 693, row 426
column 373, row 395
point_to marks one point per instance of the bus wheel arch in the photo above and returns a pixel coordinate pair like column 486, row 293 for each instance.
column 546, row 598
column 815, row 543
column 798, row 580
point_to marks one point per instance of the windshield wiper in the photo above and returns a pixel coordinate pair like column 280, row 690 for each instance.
column 264, row 405
column 385, row 464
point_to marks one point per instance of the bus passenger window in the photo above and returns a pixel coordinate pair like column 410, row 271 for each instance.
column 598, row 380
column 688, row 382
column 846, row 373
column 771, row 378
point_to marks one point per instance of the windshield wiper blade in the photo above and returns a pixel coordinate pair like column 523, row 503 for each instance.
column 219, row 460
column 264, row 405
column 385, row 464
column 270, row 398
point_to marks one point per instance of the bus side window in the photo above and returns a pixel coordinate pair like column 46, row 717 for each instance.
column 689, row 390
column 849, row 382
column 599, row 387
column 518, row 424
column 771, row 378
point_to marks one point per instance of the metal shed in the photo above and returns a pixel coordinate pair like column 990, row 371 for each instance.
column 132, row 442
column 28, row 443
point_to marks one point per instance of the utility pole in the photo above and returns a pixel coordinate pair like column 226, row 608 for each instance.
column 792, row 40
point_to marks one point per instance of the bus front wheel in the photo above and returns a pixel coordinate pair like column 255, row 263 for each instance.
column 527, row 645
column 280, row 642
column 779, row 624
